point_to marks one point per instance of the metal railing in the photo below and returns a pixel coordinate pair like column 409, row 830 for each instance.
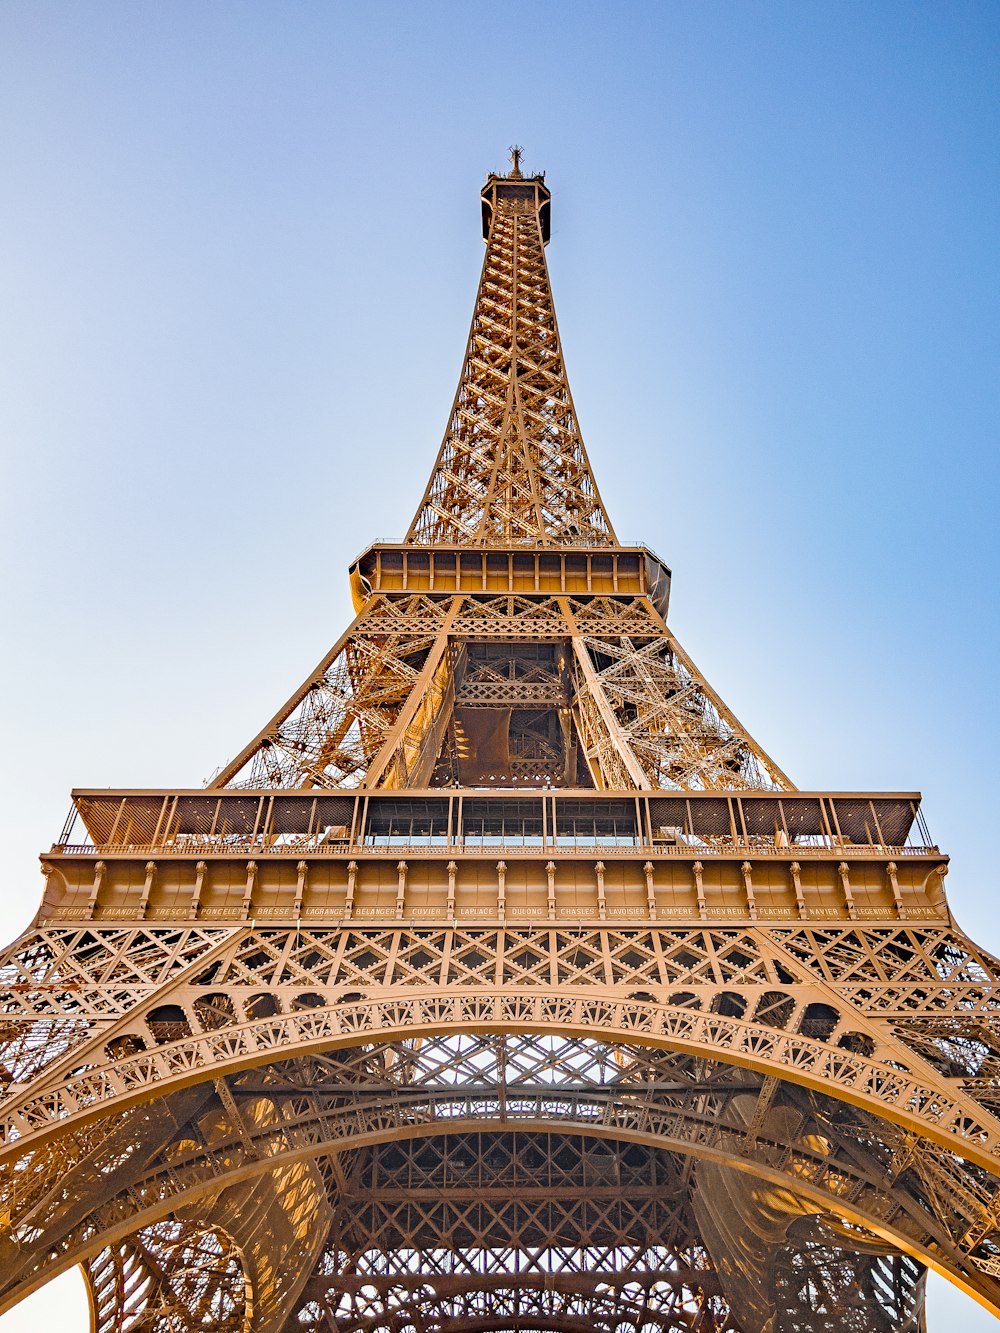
column 679, row 850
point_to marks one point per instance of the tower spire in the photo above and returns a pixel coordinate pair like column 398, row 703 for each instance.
column 512, row 468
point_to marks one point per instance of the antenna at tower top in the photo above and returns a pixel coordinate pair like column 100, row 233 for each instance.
column 515, row 157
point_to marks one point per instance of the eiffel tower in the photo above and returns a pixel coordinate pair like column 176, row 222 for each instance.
column 503, row 981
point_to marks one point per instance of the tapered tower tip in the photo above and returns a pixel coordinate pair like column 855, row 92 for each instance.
column 515, row 185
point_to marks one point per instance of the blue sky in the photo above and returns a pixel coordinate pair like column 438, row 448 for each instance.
column 238, row 253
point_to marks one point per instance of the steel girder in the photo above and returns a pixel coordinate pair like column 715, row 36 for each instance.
column 376, row 710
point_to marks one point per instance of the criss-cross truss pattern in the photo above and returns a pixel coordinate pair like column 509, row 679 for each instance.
column 502, row 983
column 170, row 1277
column 386, row 707
column 512, row 468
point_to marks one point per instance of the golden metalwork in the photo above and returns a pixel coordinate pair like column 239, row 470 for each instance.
column 502, row 981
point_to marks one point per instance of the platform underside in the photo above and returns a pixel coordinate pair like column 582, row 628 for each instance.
column 494, row 1191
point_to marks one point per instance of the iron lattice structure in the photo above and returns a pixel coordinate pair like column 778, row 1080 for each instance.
column 503, row 981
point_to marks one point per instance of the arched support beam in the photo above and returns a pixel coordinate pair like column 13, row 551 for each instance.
column 832, row 1187
column 951, row 1118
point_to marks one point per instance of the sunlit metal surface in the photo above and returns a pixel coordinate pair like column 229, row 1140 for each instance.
column 502, row 981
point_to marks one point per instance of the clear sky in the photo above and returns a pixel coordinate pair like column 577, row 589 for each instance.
column 238, row 251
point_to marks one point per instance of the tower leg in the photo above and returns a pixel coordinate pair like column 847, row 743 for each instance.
column 238, row 1263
